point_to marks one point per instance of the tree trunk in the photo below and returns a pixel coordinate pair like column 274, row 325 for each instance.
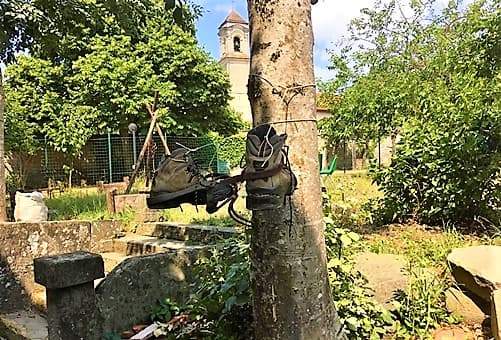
column 291, row 293
column 3, row 188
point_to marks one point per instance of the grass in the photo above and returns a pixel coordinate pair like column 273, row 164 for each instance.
column 78, row 204
column 90, row 204
column 420, row 246
column 353, row 187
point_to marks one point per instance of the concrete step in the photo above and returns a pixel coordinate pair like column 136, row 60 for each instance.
column 23, row 325
column 186, row 232
column 140, row 245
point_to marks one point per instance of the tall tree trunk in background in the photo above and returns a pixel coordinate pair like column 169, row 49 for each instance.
column 3, row 189
column 291, row 293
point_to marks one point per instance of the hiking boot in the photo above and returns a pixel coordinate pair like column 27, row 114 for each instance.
column 269, row 178
column 177, row 180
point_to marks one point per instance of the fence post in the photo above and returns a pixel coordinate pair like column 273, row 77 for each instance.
column 46, row 154
column 134, row 146
column 109, row 157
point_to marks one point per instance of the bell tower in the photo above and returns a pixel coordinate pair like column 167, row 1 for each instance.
column 235, row 59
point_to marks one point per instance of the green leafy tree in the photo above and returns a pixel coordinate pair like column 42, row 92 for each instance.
column 435, row 82
column 61, row 30
column 447, row 166
column 109, row 82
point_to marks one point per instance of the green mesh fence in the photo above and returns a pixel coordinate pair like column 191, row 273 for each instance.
column 110, row 158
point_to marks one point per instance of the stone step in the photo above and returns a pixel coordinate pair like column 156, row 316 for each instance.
column 186, row 232
column 140, row 245
column 112, row 259
column 23, row 325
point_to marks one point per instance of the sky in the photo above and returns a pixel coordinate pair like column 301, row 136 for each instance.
column 330, row 21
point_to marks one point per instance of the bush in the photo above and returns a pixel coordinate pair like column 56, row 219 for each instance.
column 445, row 171
column 362, row 317
column 220, row 306
column 230, row 149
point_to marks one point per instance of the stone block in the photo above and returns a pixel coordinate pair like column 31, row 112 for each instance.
column 130, row 291
column 477, row 268
column 384, row 273
column 135, row 202
column 20, row 243
column 462, row 305
column 496, row 314
column 68, row 270
column 102, row 233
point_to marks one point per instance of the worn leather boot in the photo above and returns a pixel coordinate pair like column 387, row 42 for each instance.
column 266, row 154
column 177, row 180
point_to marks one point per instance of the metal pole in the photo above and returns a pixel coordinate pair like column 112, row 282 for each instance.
column 379, row 151
column 46, row 154
column 109, row 157
column 134, row 147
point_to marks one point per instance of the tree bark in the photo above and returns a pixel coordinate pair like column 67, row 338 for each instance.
column 291, row 293
column 3, row 187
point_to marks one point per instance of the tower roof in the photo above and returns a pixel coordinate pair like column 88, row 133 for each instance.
column 234, row 18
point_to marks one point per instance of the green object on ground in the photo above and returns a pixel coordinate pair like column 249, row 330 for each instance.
column 223, row 167
column 330, row 169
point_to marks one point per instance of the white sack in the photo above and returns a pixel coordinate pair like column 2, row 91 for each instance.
column 30, row 207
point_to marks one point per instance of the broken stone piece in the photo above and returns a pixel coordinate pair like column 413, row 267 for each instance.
column 477, row 268
column 462, row 305
column 496, row 314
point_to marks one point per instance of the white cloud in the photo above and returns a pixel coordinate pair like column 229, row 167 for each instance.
column 331, row 18
column 222, row 8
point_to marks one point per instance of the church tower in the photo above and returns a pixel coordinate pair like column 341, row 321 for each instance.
column 235, row 59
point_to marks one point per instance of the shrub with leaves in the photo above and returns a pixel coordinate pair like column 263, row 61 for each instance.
column 362, row 317
column 230, row 149
column 220, row 306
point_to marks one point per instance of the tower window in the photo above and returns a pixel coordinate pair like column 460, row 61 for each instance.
column 236, row 44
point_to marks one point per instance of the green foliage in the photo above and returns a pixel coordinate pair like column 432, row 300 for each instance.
column 52, row 30
column 362, row 317
column 165, row 310
column 77, row 205
column 107, row 78
column 223, row 292
column 230, row 149
column 220, row 306
column 423, row 248
column 35, row 108
column 432, row 79
column 421, row 308
column 447, row 165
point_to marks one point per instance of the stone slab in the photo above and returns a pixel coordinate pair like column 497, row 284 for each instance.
column 496, row 314
column 384, row 273
column 23, row 325
column 186, row 232
column 135, row 202
column 20, row 243
column 477, row 268
column 102, row 232
column 67, row 270
column 462, row 305
column 141, row 245
column 137, row 284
